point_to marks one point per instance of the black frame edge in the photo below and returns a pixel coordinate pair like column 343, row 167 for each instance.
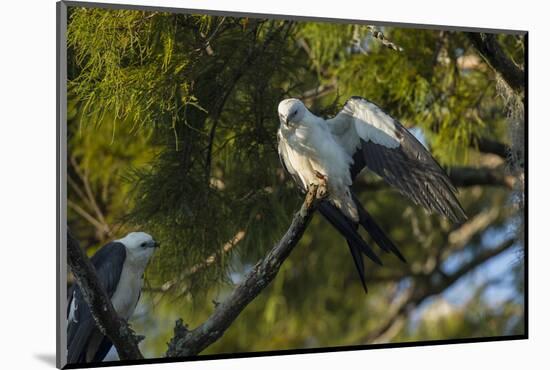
column 61, row 72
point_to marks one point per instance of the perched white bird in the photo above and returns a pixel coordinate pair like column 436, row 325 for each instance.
column 120, row 266
column 332, row 152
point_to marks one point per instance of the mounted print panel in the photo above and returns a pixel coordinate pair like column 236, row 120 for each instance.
column 237, row 185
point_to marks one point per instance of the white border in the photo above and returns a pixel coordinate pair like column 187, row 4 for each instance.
column 27, row 186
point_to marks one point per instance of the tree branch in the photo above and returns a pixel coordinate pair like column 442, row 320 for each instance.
column 190, row 343
column 318, row 91
column 88, row 198
column 478, row 260
column 460, row 177
column 88, row 217
column 485, row 145
column 105, row 316
column 226, row 248
column 489, row 48
column 471, row 176
column 418, row 293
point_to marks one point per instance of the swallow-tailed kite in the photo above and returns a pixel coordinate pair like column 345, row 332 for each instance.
column 120, row 266
column 332, row 152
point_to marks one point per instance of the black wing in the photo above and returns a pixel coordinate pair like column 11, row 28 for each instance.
column 108, row 262
column 399, row 158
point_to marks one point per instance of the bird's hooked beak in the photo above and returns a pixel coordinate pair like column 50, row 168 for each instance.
column 284, row 119
column 156, row 244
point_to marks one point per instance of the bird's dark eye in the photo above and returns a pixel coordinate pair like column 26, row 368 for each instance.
column 143, row 245
column 294, row 113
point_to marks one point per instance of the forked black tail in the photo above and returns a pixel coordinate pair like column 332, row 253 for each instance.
column 379, row 236
column 349, row 229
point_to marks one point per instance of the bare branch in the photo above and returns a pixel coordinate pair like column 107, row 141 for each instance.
column 226, row 248
column 88, row 217
column 385, row 42
column 319, row 91
column 105, row 316
column 89, row 198
column 486, row 145
column 474, row 263
column 189, row 343
column 461, row 236
column 426, row 288
column 471, row 176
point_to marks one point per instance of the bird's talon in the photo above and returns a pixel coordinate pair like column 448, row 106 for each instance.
column 322, row 192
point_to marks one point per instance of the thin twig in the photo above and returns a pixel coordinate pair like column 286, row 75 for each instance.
column 385, row 42
column 226, row 248
column 88, row 217
column 90, row 195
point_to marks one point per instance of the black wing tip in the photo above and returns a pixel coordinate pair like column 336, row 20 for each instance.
column 459, row 219
column 454, row 211
column 445, row 203
column 463, row 216
column 455, row 215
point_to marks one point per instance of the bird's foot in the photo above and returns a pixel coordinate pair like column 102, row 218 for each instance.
column 310, row 198
column 322, row 191
column 315, row 193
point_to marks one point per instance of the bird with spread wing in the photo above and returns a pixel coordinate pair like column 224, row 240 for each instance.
column 332, row 152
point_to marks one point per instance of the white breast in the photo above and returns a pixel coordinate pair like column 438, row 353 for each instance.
column 128, row 290
column 312, row 148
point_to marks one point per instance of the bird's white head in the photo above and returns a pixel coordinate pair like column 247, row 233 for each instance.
column 140, row 246
column 291, row 111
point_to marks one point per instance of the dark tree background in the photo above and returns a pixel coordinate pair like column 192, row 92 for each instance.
column 172, row 130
